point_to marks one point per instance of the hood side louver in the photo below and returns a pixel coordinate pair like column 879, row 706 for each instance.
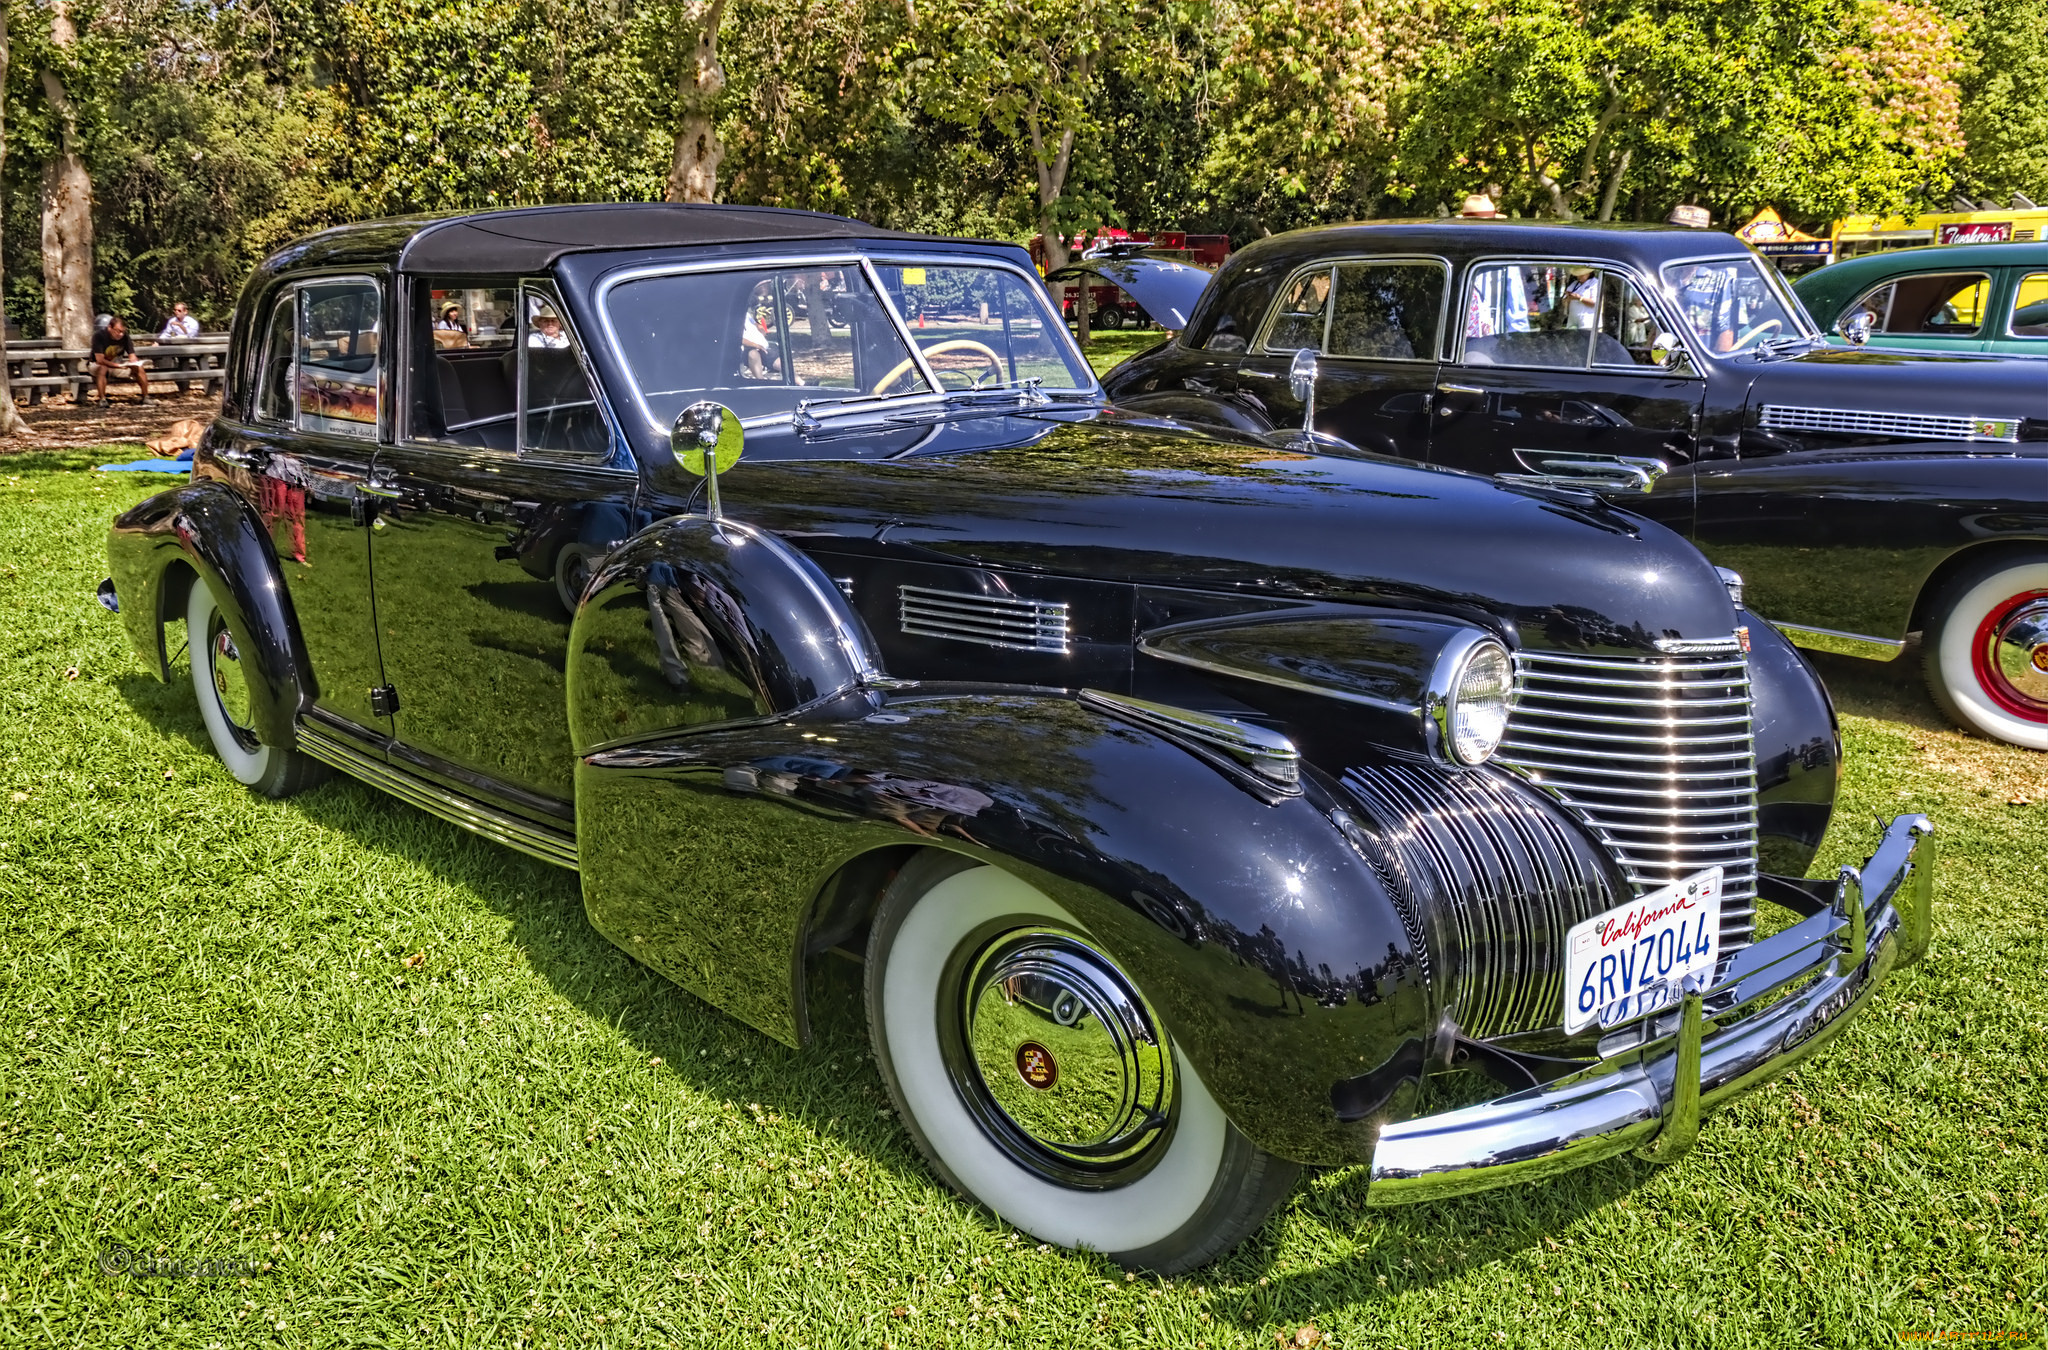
column 1004, row 621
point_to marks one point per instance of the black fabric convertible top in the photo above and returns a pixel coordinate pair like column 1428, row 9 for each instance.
column 530, row 240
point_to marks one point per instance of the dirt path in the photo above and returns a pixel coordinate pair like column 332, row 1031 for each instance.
column 65, row 426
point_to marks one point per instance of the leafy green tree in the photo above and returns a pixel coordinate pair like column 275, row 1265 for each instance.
column 2004, row 90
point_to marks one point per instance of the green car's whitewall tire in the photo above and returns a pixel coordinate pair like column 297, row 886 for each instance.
column 222, row 688
column 1153, row 1175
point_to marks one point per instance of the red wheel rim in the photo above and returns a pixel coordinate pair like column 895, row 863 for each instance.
column 1990, row 674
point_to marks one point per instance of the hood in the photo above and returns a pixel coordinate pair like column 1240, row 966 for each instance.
column 1164, row 289
column 1117, row 497
column 1903, row 384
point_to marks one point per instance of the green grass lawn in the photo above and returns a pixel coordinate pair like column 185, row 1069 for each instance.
column 391, row 1065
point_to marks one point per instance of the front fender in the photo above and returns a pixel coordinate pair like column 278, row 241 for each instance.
column 1269, row 944
column 1798, row 751
column 208, row 527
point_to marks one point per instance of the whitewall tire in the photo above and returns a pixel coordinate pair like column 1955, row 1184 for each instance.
column 1986, row 651
column 222, row 688
column 1036, row 1080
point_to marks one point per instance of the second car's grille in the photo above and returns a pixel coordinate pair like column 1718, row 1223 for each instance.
column 1656, row 755
column 1910, row 426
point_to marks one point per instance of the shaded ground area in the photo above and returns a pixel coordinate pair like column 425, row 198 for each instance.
column 56, row 425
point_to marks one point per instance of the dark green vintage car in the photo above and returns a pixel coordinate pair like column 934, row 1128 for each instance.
column 1954, row 298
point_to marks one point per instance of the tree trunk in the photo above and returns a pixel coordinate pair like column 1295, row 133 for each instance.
column 67, row 209
column 693, row 172
column 1614, row 183
column 11, row 423
column 1052, row 174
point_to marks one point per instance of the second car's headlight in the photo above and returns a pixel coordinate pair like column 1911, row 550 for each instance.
column 1476, row 699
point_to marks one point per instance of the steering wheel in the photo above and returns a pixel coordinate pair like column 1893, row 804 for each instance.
column 903, row 367
column 1767, row 326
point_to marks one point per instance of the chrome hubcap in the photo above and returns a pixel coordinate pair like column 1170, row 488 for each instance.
column 2013, row 656
column 230, row 686
column 1066, row 1052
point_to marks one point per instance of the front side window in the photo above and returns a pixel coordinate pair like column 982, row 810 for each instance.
column 1532, row 314
column 1387, row 310
column 759, row 341
column 982, row 327
column 340, row 331
column 1729, row 305
column 1943, row 305
column 483, row 350
column 2030, row 307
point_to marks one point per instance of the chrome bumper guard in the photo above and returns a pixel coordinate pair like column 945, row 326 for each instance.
column 1773, row 1004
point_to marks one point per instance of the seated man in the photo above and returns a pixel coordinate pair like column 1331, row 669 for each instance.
column 547, row 330
column 181, row 324
column 113, row 354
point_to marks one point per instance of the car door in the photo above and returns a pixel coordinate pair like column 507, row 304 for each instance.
column 502, row 492
column 2023, row 327
column 1376, row 324
column 1561, row 358
column 302, row 459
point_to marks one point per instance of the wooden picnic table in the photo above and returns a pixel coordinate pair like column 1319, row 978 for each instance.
column 41, row 366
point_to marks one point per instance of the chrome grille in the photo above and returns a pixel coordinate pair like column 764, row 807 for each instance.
column 1506, row 874
column 992, row 620
column 1910, row 426
column 1656, row 756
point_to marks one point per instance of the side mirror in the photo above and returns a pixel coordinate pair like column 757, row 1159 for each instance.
column 1856, row 328
column 1667, row 351
column 1301, row 378
column 707, row 440
column 1301, row 375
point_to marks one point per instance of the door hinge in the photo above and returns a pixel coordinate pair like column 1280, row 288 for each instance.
column 384, row 700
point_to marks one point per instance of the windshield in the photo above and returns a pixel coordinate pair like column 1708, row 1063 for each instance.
column 983, row 327
column 1730, row 305
column 759, row 340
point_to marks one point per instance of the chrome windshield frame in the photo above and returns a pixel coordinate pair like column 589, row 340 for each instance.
column 824, row 408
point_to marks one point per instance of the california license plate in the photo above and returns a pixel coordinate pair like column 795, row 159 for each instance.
column 1634, row 959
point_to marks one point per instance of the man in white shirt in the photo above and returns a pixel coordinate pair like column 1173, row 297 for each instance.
column 181, row 324
column 547, row 330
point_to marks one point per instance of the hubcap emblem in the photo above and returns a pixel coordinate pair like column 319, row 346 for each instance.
column 1036, row 1066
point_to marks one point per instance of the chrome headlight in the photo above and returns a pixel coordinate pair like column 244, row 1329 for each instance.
column 1472, row 692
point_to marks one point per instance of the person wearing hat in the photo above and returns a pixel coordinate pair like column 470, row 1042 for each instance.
column 450, row 320
column 547, row 329
column 1479, row 206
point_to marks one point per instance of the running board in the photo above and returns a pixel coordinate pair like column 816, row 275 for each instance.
column 553, row 846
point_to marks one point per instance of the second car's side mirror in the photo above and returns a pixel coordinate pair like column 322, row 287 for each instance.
column 1667, row 351
column 1856, row 329
column 707, row 440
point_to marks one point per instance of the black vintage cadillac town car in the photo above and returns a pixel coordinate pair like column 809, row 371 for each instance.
column 1200, row 808
column 1862, row 494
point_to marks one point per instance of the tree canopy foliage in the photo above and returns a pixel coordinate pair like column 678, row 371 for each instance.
column 214, row 130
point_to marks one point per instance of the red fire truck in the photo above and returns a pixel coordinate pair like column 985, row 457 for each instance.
column 1109, row 306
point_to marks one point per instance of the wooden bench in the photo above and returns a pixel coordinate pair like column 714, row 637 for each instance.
column 39, row 366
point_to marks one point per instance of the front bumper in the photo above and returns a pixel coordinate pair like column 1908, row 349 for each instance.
column 1775, row 1003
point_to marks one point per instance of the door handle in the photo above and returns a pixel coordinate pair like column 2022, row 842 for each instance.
column 1458, row 389
column 1258, row 374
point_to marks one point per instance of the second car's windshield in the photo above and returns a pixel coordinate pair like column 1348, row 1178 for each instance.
column 1730, row 306
column 982, row 327
column 759, row 340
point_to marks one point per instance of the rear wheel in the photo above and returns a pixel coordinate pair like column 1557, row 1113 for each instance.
column 1037, row 1080
column 222, row 687
column 1109, row 318
column 1987, row 650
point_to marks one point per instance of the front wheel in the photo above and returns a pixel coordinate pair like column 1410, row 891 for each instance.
column 222, row 687
column 1987, row 650
column 1036, row 1079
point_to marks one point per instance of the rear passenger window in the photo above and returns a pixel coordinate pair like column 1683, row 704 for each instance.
column 1387, row 310
column 336, row 379
column 2030, row 307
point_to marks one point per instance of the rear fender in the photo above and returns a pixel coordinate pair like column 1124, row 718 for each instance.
column 1268, row 942
column 207, row 527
